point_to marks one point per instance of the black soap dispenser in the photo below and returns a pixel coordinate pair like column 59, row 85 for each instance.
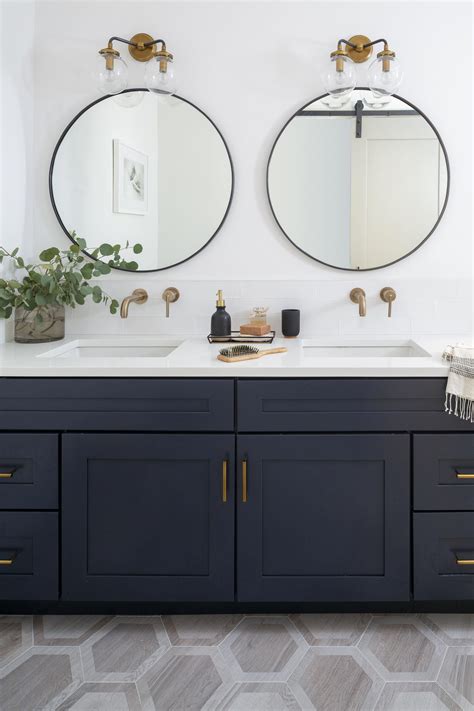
column 220, row 321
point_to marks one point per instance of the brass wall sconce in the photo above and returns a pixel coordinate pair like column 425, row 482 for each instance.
column 112, row 71
column 340, row 75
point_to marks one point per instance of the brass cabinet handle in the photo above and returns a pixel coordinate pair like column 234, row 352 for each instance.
column 464, row 475
column 224, row 481
column 7, row 557
column 7, row 472
column 244, row 481
column 465, row 561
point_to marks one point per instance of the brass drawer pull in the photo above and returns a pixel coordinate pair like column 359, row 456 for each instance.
column 461, row 560
column 244, row 481
column 224, row 481
column 7, row 472
column 464, row 475
column 7, row 557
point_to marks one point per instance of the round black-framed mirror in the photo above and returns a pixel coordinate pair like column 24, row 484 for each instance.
column 358, row 186
column 142, row 168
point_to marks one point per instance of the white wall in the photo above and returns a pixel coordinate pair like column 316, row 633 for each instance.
column 250, row 65
column 16, row 127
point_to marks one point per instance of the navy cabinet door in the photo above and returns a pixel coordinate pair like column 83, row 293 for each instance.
column 323, row 517
column 148, row 517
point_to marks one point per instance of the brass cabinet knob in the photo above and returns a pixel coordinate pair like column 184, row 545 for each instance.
column 388, row 295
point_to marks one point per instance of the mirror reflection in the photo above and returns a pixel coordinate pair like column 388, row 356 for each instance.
column 146, row 169
column 358, row 186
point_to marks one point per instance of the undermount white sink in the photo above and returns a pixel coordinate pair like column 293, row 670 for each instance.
column 364, row 349
column 100, row 348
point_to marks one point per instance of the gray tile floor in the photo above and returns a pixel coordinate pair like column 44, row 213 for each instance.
column 331, row 662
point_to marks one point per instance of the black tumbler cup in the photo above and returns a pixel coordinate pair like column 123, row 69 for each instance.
column 290, row 322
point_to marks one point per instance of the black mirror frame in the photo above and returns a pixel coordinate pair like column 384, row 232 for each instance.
column 62, row 137
column 382, row 266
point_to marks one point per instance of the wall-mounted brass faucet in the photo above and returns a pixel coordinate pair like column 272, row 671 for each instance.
column 388, row 295
column 138, row 296
column 357, row 296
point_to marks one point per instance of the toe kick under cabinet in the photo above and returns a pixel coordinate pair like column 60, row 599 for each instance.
column 233, row 492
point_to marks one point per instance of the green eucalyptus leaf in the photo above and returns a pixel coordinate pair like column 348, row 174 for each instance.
column 106, row 249
column 137, row 248
column 47, row 254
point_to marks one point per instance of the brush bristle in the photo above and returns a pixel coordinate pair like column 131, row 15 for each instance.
column 235, row 351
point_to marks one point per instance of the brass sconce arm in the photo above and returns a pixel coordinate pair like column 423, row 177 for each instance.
column 359, row 49
column 137, row 44
column 142, row 47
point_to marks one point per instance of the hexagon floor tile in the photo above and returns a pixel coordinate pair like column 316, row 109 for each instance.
column 336, row 629
column 457, row 675
column 184, row 678
column 66, row 630
column 415, row 696
column 40, row 679
column 452, row 629
column 16, row 636
column 199, row 630
column 401, row 648
column 335, row 679
column 124, row 649
column 103, row 697
column 263, row 649
column 255, row 696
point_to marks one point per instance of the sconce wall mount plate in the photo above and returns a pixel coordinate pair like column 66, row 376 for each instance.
column 361, row 53
column 139, row 52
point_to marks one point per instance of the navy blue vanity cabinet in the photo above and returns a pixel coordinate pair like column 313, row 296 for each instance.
column 148, row 517
column 323, row 517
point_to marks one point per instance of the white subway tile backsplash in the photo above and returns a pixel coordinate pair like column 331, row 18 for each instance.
column 428, row 306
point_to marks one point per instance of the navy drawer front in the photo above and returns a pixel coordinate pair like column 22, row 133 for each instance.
column 135, row 404
column 28, row 555
column 443, row 472
column 443, row 556
column 344, row 405
column 28, row 471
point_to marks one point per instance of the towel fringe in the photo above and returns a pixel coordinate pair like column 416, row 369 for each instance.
column 460, row 406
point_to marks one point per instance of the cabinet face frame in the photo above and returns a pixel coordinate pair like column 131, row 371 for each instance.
column 181, row 455
column 391, row 453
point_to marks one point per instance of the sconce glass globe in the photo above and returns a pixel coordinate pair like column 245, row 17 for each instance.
column 384, row 76
column 340, row 76
column 112, row 80
column 157, row 80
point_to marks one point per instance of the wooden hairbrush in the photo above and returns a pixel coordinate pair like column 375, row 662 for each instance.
column 234, row 354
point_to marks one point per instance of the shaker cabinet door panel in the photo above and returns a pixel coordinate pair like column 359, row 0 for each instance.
column 148, row 517
column 323, row 517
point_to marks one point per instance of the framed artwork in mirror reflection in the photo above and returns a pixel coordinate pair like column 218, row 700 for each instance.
column 130, row 179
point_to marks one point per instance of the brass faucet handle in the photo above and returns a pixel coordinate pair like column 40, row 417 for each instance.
column 170, row 295
column 388, row 295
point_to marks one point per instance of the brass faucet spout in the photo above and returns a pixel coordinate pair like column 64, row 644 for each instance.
column 138, row 296
column 357, row 296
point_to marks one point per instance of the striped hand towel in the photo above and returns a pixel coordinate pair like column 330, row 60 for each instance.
column 460, row 387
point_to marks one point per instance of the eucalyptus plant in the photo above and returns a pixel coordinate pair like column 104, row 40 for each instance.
column 62, row 276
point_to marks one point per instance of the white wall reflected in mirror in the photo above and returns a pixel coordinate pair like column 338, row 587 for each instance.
column 153, row 170
column 358, row 202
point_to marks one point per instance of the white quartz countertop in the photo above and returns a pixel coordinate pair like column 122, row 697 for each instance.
column 90, row 356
